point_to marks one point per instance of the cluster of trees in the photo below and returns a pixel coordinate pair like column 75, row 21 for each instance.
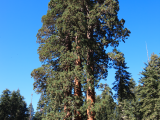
column 73, row 39
column 13, row 107
column 145, row 105
column 142, row 104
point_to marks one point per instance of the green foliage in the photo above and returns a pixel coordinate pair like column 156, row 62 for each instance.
column 150, row 90
column 105, row 105
column 4, row 106
column 13, row 106
column 65, row 20
column 124, row 84
column 37, row 116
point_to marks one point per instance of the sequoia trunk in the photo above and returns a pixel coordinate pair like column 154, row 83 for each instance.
column 77, row 89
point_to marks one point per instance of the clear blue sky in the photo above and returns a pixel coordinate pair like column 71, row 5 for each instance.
column 19, row 24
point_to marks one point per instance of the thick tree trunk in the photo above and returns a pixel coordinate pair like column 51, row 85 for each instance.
column 90, row 97
column 90, row 91
column 77, row 89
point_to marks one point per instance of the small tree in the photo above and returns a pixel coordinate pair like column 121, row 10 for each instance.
column 13, row 106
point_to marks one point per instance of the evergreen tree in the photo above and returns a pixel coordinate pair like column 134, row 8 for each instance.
column 136, row 105
column 124, row 82
column 37, row 116
column 117, row 113
column 149, row 92
column 13, row 106
column 5, row 105
column 75, row 43
column 40, row 76
column 130, row 110
column 43, row 106
column 106, row 103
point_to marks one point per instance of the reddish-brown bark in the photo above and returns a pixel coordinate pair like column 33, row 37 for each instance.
column 77, row 89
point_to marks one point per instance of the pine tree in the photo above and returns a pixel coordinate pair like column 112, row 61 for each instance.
column 106, row 103
column 136, row 104
column 123, row 79
column 13, row 106
column 150, row 89
column 4, row 104
column 130, row 105
column 77, row 22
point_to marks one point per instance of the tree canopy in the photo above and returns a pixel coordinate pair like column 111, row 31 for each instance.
column 13, row 106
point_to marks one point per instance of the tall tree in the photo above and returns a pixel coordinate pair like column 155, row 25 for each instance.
column 13, row 106
column 123, row 78
column 150, row 90
column 77, row 22
column 110, row 25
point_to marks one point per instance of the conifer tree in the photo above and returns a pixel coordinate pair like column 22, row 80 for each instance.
column 5, row 104
column 131, row 106
column 136, row 104
column 37, row 116
column 149, row 92
column 18, row 106
column 117, row 113
column 123, row 79
column 106, row 103
column 43, row 106
column 13, row 106
column 77, row 23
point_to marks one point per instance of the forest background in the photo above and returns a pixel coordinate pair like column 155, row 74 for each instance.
column 19, row 24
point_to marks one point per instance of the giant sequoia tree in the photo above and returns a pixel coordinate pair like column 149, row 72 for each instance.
column 72, row 49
